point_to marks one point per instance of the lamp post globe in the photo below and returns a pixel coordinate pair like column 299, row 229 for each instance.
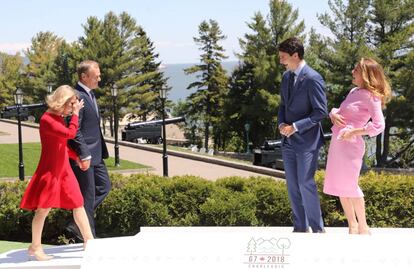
column 18, row 100
column 163, row 97
column 49, row 88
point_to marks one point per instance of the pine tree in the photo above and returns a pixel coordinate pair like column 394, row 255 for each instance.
column 144, row 98
column 349, row 26
column 392, row 35
column 212, row 82
column 127, row 58
column 254, row 86
column 382, row 29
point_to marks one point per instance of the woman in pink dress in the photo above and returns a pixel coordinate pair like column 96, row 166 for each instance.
column 54, row 184
column 350, row 122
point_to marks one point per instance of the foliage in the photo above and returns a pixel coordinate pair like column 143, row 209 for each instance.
column 384, row 30
column 39, row 72
column 10, row 67
column 253, row 96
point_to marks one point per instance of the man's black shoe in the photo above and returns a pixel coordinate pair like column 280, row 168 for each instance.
column 73, row 232
column 301, row 231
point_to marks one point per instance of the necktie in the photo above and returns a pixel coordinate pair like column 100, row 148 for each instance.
column 94, row 102
column 291, row 84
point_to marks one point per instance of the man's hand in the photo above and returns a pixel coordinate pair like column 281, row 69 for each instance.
column 84, row 165
column 286, row 130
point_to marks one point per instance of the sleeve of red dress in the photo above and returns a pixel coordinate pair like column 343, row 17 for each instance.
column 63, row 131
column 377, row 123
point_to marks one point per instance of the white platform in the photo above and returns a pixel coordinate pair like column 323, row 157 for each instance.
column 231, row 247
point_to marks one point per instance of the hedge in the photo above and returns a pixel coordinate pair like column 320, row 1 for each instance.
column 149, row 200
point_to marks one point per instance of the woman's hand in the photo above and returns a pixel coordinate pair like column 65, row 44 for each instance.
column 337, row 120
column 78, row 105
column 348, row 135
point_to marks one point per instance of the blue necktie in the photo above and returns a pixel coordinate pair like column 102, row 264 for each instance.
column 291, row 84
column 94, row 102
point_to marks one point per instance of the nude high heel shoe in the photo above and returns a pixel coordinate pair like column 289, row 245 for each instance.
column 38, row 254
column 364, row 230
column 353, row 230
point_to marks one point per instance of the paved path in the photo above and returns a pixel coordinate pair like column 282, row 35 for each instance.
column 177, row 166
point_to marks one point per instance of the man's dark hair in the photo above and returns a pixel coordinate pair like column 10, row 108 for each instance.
column 292, row 45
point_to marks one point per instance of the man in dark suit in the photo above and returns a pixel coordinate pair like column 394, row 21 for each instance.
column 303, row 106
column 90, row 145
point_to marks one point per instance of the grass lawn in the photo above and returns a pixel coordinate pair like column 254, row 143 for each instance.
column 8, row 245
column 181, row 149
column 31, row 153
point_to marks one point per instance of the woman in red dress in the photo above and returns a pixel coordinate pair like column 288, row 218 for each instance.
column 54, row 185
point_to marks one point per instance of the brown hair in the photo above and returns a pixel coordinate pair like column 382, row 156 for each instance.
column 374, row 79
column 84, row 66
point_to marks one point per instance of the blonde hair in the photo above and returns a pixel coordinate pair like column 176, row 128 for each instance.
column 59, row 97
column 374, row 79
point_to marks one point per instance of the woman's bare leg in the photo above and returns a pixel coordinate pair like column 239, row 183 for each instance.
column 349, row 214
column 359, row 207
column 37, row 228
column 81, row 219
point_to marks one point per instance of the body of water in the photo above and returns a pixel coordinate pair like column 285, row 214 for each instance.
column 179, row 81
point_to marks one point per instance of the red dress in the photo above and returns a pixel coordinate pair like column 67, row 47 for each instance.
column 54, row 183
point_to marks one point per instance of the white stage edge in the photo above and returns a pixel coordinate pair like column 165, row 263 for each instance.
column 231, row 247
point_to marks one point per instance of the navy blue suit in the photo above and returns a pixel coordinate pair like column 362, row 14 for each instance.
column 94, row 182
column 305, row 106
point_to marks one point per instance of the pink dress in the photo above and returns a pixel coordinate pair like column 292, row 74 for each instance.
column 345, row 157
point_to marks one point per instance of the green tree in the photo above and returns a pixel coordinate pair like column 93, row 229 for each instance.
column 349, row 25
column 40, row 70
column 206, row 101
column 392, row 35
column 127, row 58
column 254, row 86
column 382, row 29
column 10, row 67
column 144, row 97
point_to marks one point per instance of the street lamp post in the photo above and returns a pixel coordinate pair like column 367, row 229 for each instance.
column 163, row 96
column 114, row 93
column 18, row 100
column 247, row 128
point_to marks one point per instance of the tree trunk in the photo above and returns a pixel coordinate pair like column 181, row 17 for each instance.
column 206, row 126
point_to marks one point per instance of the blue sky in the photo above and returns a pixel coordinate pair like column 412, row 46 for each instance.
column 171, row 24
